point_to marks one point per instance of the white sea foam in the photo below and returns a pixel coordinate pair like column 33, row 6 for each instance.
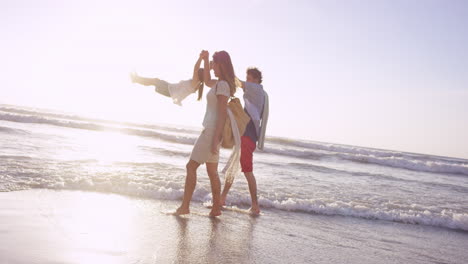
column 167, row 190
column 444, row 218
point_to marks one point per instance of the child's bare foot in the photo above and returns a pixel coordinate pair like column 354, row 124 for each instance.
column 255, row 210
column 133, row 76
column 182, row 211
column 216, row 211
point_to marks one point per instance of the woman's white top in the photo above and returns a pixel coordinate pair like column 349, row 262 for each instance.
column 211, row 114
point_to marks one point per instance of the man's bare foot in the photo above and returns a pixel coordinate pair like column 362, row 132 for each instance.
column 222, row 202
column 215, row 212
column 182, row 211
column 255, row 210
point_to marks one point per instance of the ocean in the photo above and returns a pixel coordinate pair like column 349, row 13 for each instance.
column 45, row 149
column 312, row 191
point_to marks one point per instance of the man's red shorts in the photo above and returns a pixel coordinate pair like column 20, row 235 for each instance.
column 247, row 149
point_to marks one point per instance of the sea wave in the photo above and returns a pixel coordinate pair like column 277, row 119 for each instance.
column 411, row 164
column 97, row 127
column 444, row 218
column 9, row 130
column 278, row 146
column 402, row 162
column 72, row 117
column 163, row 189
column 339, row 148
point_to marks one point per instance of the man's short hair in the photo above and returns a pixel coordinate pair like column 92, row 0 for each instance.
column 255, row 73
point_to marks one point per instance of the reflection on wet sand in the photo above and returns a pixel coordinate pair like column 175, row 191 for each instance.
column 222, row 241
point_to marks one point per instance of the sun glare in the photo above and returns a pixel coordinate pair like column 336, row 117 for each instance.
column 108, row 147
column 103, row 223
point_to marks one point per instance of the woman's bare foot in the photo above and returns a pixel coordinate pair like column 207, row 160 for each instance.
column 215, row 212
column 255, row 210
column 182, row 211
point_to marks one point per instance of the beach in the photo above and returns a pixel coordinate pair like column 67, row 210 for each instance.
column 45, row 226
column 348, row 121
column 76, row 189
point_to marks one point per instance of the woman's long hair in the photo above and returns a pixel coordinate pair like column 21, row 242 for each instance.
column 201, row 85
column 226, row 71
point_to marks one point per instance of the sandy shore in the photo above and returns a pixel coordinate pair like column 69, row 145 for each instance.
column 44, row 226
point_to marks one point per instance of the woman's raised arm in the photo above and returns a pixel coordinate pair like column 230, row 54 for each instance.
column 207, row 70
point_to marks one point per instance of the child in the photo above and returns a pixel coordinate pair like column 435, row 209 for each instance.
column 177, row 91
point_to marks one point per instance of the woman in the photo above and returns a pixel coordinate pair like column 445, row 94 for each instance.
column 206, row 149
column 177, row 91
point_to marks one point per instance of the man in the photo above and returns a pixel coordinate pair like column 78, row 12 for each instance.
column 256, row 106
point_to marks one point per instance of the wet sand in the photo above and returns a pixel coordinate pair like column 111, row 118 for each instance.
column 46, row 226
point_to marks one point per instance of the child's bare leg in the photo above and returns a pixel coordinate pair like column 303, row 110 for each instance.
column 161, row 86
column 142, row 80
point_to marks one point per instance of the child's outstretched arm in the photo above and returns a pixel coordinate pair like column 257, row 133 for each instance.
column 195, row 79
column 207, row 70
column 240, row 83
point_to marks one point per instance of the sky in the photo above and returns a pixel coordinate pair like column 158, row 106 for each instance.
column 381, row 74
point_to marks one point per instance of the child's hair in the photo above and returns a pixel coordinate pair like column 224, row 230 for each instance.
column 255, row 73
column 201, row 85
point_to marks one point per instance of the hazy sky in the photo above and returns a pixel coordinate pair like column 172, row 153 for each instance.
column 384, row 74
